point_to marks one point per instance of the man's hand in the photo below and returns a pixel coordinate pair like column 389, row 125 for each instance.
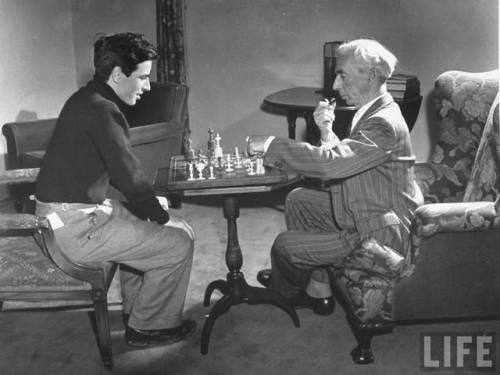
column 177, row 222
column 256, row 143
column 324, row 115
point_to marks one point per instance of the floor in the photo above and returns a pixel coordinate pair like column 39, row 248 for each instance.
column 257, row 339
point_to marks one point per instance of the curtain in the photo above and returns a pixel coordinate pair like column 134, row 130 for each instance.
column 171, row 63
column 170, row 34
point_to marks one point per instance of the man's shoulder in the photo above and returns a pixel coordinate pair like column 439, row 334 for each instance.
column 88, row 99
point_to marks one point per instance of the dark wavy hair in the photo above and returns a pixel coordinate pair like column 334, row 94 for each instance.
column 125, row 50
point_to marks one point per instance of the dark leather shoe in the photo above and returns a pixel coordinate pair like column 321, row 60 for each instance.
column 142, row 338
column 320, row 306
column 264, row 277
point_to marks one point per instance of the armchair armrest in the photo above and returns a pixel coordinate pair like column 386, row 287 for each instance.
column 18, row 176
column 26, row 136
column 456, row 217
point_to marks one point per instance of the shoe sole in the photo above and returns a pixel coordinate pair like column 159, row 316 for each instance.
column 148, row 343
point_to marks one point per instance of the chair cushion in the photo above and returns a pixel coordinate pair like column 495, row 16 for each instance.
column 23, row 266
column 374, row 257
column 366, row 279
column 369, row 295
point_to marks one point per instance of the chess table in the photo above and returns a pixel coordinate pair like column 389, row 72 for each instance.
column 234, row 288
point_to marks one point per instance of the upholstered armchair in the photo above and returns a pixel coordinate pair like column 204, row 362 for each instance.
column 452, row 268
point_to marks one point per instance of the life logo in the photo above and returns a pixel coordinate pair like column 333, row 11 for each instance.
column 458, row 351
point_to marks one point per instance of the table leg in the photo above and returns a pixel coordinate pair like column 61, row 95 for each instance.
column 291, row 118
column 235, row 289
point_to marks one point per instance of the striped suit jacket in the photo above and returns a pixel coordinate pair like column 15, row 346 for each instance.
column 373, row 169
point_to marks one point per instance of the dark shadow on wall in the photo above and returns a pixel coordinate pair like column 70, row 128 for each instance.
column 431, row 120
column 25, row 115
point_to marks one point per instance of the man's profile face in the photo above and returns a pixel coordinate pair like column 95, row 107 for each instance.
column 129, row 89
column 351, row 83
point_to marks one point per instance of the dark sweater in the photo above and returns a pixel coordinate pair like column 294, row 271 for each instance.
column 90, row 149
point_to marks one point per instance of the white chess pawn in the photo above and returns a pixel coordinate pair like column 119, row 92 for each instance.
column 229, row 167
column 238, row 160
column 191, row 176
column 211, row 176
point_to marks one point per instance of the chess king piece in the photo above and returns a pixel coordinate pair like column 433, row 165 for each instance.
column 211, row 144
column 218, row 148
column 188, row 148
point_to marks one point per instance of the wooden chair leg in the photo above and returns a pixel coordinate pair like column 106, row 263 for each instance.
column 364, row 332
column 103, row 331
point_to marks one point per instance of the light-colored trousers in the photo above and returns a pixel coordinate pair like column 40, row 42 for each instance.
column 155, row 260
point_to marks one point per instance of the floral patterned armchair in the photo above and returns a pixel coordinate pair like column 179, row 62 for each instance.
column 452, row 270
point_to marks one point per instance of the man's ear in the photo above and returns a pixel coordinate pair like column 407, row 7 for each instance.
column 116, row 74
column 373, row 75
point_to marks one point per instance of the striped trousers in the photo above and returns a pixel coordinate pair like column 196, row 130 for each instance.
column 312, row 241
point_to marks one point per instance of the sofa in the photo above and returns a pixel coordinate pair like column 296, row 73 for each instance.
column 452, row 269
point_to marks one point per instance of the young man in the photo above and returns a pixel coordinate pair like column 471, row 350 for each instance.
column 89, row 150
column 375, row 195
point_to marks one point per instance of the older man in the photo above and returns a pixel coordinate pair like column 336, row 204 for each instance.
column 374, row 194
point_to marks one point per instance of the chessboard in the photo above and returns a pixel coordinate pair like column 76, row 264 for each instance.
column 224, row 172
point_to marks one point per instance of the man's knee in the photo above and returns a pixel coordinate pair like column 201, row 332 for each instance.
column 295, row 196
column 279, row 248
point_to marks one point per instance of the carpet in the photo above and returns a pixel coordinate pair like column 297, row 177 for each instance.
column 247, row 340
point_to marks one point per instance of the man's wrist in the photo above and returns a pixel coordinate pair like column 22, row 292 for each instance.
column 327, row 139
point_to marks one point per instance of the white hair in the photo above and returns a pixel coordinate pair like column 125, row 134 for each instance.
column 370, row 54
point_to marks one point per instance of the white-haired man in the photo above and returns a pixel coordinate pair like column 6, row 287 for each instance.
column 374, row 194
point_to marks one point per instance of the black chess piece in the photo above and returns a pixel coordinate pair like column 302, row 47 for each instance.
column 211, row 144
column 188, row 148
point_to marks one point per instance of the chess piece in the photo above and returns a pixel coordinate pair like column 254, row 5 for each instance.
column 191, row 176
column 229, row 167
column 188, row 148
column 200, row 166
column 238, row 164
column 250, row 171
column 218, row 148
column 259, row 167
column 211, row 176
column 211, row 144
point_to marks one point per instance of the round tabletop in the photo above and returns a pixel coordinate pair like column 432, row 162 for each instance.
column 301, row 98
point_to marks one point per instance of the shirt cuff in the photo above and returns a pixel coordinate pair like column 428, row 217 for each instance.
column 329, row 143
column 268, row 142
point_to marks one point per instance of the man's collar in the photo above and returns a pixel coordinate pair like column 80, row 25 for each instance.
column 367, row 109
column 106, row 91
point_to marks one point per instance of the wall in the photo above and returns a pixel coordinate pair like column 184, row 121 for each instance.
column 239, row 51
column 93, row 18
column 38, row 64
